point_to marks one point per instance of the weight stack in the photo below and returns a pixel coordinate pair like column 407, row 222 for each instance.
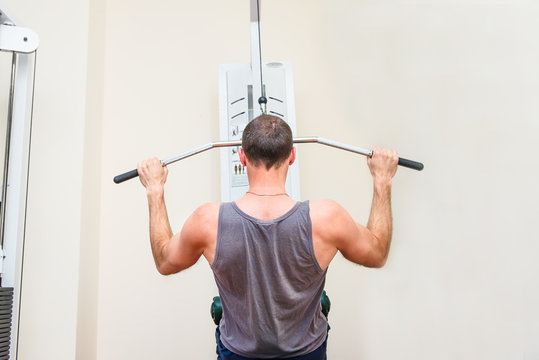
column 6, row 313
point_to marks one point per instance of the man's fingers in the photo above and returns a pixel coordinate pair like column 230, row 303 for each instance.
column 394, row 156
column 152, row 172
column 139, row 168
column 384, row 153
column 383, row 162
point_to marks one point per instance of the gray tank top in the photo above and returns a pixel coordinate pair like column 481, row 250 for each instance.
column 270, row 284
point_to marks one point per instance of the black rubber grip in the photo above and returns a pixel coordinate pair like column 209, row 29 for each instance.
column 126, row 176
column 411, row 164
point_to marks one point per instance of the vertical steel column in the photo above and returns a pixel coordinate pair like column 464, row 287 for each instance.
column 6, row 152
column 255, row 55
column 16, row 183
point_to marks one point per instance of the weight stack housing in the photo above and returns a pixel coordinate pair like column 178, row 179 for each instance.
column 6, row 314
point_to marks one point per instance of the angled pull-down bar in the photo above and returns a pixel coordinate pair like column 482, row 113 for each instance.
column 300, row 140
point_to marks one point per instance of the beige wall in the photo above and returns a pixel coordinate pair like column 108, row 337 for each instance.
column 91, row 187
column 451, row 83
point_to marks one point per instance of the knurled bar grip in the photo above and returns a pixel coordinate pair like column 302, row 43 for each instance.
column 301, row 140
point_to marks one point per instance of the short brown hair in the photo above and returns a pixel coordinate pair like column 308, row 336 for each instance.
column 267, row 140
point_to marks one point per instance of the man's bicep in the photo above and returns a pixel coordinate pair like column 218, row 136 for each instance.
column 356, row 242
column 185, row 247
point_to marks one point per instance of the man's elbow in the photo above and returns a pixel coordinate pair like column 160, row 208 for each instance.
column 382, row 252
column 379, row 257
column 164, row 271
column 167, row 269
column 380, row 261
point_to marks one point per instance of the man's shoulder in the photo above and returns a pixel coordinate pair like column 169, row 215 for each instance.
column 325, row 205
column 203, row 222
column 208, row 207
column 324, row 210
column 207, row 213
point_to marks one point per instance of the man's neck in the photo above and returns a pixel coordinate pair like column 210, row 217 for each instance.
column 267, row 182
column 267, row 198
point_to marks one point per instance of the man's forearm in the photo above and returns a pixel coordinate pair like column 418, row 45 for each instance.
column 160, row 231
column 380, row 221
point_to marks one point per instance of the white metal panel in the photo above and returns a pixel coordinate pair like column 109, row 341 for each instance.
column 234, row 114
column 238, row 104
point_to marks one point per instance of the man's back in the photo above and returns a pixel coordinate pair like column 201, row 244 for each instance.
column 270, row 283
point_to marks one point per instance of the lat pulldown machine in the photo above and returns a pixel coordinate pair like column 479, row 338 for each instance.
column 239, row 86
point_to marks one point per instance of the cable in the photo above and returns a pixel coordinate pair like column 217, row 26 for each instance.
column 262, row 101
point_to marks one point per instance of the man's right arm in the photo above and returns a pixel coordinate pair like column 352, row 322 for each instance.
column 333, row 227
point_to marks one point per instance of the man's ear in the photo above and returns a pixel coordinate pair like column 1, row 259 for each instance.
column 292, row 157
column 243, row 158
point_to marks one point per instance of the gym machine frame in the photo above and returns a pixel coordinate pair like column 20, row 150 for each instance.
column 22, row 43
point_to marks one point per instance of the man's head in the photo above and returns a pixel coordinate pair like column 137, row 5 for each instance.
column 268, row 141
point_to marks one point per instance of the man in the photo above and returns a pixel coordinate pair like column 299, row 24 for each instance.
column 270, row 254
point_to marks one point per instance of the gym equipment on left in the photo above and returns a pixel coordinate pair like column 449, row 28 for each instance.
column 22, row 43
